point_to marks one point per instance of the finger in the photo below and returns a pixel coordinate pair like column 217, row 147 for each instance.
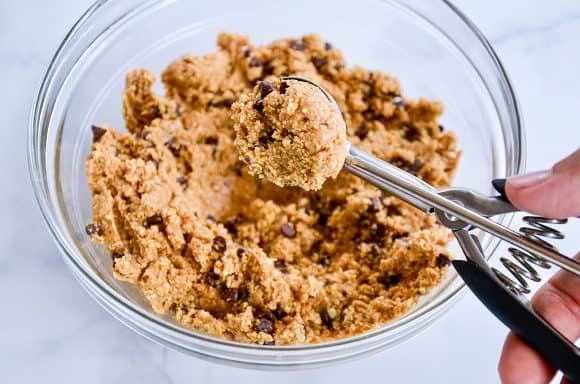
column 521, row 364
column 552, row 193
column 558, row 303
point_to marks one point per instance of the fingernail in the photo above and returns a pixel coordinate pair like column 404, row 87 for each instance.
column 529, row 179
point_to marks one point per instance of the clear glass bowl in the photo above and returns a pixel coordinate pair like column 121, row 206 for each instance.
column 430, row 46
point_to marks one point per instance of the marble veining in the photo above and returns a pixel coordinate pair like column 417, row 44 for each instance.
column 550, row 27
column 52, row 331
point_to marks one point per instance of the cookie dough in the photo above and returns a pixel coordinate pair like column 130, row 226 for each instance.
column 236, row 257
column 289, row 133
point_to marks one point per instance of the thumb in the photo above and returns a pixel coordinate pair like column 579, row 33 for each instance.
column 553, row 193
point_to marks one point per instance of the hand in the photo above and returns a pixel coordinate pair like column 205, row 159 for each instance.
column 554, row 193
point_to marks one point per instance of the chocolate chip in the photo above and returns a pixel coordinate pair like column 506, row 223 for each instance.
column 211, row 140
column 178, row 307
column 240, row 252
column 265, row 325
column 245, row 50
column 259, row 106
column 227, row 102
column 326, row 319
column 230, row 295
column 154, row 220
column 279, row 313
column 243, row 294
column 178, row 110
column 265, row 88
column 442, row 260
column 267, row 138
column 264, row 141
column 297, row 45
column 374, row 206
column 319, row 62
column 389, row 280
column 322, row 218
column 283, row 87
column 182, row 180
column 219, row 244
column 116, row 255
column 272, row 342
column 441, row 128
column 268, row 69
column 211, row 218
column 399, row 162
column 416, row 166
column 174, row 147
column 212, row 279
column 281, row 266
column 399, row 102
column 412, row 134
column 316, row 246
column 324, row 259
column 156, row 110
column 94, row 228
column 254, row 62
column 399, row 235
column 98, row 132
column 375, row 250
column 286, row 133
column 288, row 230
column 327, row 46
column 378, row 233
column 363, row 131
column 231, row 226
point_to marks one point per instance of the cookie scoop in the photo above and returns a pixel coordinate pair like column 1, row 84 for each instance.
column 278, row 136
column 275, row 136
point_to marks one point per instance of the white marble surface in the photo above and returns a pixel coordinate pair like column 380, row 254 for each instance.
column 51, row 331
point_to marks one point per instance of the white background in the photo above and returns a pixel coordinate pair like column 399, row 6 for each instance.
column 51, row 331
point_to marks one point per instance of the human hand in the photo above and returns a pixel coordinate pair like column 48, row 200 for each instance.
column 553, row 193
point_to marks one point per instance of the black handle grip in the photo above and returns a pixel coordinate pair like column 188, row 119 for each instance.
column 499, row 185
column 522, row 320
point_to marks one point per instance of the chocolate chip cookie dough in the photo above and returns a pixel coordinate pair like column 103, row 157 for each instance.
column 289, row 133
column 236, row 257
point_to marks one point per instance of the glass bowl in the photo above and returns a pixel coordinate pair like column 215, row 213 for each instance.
column 433, row 49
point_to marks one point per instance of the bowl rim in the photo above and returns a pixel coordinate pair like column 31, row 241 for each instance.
column 36, row 172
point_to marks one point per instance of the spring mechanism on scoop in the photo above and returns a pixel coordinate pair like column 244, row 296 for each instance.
column 521, row 267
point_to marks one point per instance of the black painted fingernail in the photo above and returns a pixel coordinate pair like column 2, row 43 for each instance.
column 499, row 185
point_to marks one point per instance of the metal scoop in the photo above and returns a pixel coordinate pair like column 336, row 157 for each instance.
column 456, row 208
column 462, row 210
